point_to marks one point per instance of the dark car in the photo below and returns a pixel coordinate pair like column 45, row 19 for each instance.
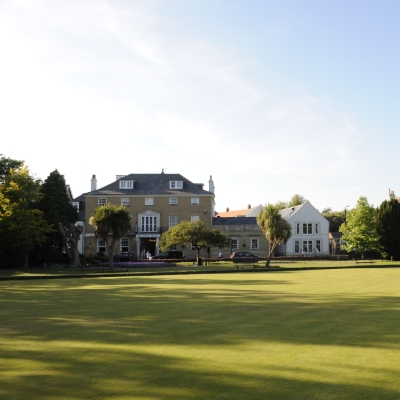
column 169, row 255
column 244, row 256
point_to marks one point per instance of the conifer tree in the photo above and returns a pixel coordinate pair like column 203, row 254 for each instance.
column 61, row 216
column 388, row 228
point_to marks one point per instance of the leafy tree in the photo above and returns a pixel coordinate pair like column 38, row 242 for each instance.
column 388, row 228
column 359, row 231
column 22, row 226
column 6, row 164
column 111, row 223
column 336, row 219
column 280, row 205
column 297, row 200
column 61, row 215
column 195, row 233
column 275, row 228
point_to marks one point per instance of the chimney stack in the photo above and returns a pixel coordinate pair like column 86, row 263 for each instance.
column 211, row 187
column 93, row 185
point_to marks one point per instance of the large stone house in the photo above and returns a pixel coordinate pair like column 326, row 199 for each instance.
column 156, row 203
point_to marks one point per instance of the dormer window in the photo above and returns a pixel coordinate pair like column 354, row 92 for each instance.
column 126, row 184
column 175, row 184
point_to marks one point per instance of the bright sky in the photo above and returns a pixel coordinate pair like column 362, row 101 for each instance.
column 271, row 98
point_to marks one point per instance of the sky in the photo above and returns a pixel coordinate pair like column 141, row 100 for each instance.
column 270, row 98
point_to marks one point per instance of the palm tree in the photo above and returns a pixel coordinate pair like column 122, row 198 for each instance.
column 275, row 228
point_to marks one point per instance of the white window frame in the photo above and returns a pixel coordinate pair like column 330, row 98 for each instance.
column 316, row 228
column 149, row 223
column 176, row 185
column 125, row 184
column 254, row 244
column 296, row 243
column 101, row 201
column 297, row 228
column 173, row 201
column 318, row 244
column 307, row 246
column 125, row 201
column 194, row 218
column 173, row 220
column 75, row 204
column 195, row 201
column 149, row 201
column 100, row 245
column 234, row 243
column 124, row 242
column 307, row 228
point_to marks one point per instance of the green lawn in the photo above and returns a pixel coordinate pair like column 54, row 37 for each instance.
column 323, row 334
column 189, row 267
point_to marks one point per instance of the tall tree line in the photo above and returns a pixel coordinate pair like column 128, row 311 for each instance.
column 33, row 215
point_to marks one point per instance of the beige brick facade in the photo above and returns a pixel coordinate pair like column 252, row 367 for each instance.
column 244, row 235
column 152, row 213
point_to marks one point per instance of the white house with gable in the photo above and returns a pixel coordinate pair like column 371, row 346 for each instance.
column 310, row 232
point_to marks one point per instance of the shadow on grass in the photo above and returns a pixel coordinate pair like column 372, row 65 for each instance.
column 150, row 337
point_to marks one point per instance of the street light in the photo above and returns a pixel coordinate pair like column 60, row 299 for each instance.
column 345, row 212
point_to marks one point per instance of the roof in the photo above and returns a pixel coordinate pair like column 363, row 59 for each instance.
column 151, row 184
column 254, row 211
column 235, row 213
column 247, row 212
column 286, row 213
column 336, row 235
column 219, row 221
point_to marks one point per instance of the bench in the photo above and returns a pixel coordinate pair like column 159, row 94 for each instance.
column 364, row 261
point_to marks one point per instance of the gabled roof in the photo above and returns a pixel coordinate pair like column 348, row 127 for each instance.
column 234, row 213
column 247, row 212
column 286, row 213
column 151, row 184
column 254, row 211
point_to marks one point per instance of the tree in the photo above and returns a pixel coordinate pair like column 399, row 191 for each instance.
column 22, row 226
column 111, row 223
column 359, row 230
column 6, row 164
column 194, row 233
column 275, row 228
column 335, row 218
column 61, row 216
column 280, row 205
column 296, row 200
column 388, row 228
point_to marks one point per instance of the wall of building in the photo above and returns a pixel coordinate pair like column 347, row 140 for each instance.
column 161, row 208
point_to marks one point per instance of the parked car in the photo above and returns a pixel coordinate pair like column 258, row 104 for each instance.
column 169, row 255
column 244, row 256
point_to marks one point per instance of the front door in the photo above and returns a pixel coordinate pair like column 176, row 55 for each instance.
column 147, row 245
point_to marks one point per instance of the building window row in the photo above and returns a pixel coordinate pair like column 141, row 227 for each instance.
column 307, row 228
column 148, row 201
column 307, row 246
